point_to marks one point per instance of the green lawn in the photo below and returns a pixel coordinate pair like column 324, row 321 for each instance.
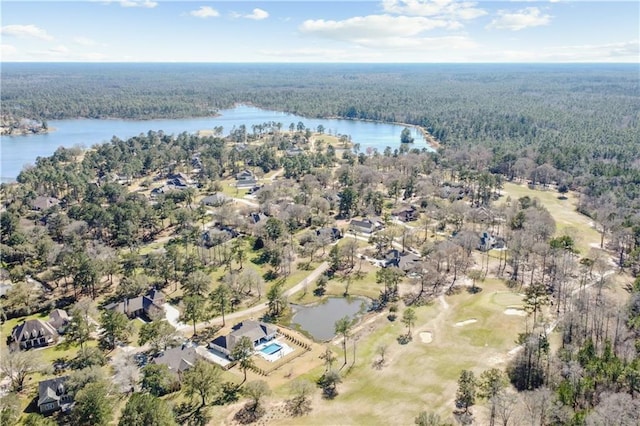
column 420, row 376
column 563, row 212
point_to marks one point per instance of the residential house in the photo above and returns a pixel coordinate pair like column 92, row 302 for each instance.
column 256, row 217
column 141, row 306
column 59, row 319
column 34, row 333
column 156, row 192
column 218, row 235
column 329, row 234
column 41, row 203
column 215, row 200
column 257, row 331
column 406, row 262
column 406, row 214
column 366, row 226
column 53, row 395
column 245, row 179
column 178, row 359
column 489, row 241
column 180, row 177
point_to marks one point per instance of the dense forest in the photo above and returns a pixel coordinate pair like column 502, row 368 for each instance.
column 582, row 120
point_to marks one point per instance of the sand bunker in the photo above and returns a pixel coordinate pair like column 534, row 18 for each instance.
column 469, row 321
column 515, row 311
column 426, row 337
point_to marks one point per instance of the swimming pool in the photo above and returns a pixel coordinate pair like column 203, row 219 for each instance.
column 271, row 349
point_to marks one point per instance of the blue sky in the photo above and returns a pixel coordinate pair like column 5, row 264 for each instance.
column 321, row 31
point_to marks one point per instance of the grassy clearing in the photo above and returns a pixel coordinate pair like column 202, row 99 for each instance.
column 563, row 212
column 420, row 376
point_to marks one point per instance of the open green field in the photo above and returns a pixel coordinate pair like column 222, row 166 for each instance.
column 564, row 212
column 419, row 376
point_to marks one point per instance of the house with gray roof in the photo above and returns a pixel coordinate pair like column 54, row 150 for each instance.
column 257, row 331
column 34, row 333
column 53, row 395
column 141, row 306
column 245, row 179
column 406, row 262
column 215, row 200
column 59, row 319
column 178, row 359
column 366, row 226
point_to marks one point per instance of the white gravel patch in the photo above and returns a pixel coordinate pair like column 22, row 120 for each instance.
column 466, row 322
column 426, row 337
column 515, row 311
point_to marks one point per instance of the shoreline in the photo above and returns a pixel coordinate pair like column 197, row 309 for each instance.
column 428, row 137
column 27, row 132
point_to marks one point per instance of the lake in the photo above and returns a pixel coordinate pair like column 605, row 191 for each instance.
column 18, row 151
column 319, row 319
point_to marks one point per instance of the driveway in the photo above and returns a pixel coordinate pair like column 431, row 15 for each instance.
column 172, row 315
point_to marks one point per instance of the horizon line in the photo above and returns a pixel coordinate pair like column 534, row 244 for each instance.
column 323, row 62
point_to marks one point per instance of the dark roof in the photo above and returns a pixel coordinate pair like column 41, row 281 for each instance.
column 178, row 359
column 254, row 330
column 32, row 329
column 404, row 261
column 52, row 390
column 257, row 217
column 333, row 233
column 155, row 298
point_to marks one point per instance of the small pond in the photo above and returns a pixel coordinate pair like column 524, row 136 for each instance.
column 319, row 319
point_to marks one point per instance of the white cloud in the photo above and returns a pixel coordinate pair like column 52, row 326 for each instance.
column 322, row 55
column 25, row 31
column 628, row 51
column 7, row 50
column 309, row 52
column 84, row 41
column 138, row 3
column 515, row 21
column 94, row 56
column 374, row 27
column 448, row 9
column 420, row 44
column 60, row 49
column 258, row 14
column 205, row 12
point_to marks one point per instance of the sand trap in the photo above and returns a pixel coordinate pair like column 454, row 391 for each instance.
column 515, row 311
column 463, row 323
column 426, row 337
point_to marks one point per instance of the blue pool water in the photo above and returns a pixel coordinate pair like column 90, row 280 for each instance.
column 271, row 349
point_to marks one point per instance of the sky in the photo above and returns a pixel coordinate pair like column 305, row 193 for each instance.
column 380, row 31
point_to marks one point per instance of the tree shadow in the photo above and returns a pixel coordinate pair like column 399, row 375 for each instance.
column 187, row 413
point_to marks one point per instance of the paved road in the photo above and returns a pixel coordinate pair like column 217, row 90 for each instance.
column 314, row 275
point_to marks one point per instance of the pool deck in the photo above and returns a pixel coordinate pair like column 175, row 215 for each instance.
column 286, row 349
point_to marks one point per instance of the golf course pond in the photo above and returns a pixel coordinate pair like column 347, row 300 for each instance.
column 319, row 319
